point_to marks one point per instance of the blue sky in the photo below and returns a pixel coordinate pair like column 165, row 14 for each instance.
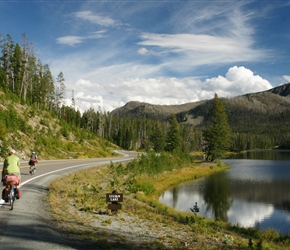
column 160, row 52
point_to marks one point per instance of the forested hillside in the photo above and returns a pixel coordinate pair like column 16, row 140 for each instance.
column 258, row 120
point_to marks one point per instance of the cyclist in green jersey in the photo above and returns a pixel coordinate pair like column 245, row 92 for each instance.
column 11, row 165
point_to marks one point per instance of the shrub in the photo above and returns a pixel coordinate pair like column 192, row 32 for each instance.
column 144, row 187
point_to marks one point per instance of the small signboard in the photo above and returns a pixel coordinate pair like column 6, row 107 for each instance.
column 114, row 197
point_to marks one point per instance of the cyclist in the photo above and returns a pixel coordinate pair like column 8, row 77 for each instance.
column 33, row 160
column 11, row 165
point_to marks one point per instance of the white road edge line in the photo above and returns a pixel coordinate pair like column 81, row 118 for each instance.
column 55, row 171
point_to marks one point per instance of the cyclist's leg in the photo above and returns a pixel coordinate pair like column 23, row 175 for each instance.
column 6, row 192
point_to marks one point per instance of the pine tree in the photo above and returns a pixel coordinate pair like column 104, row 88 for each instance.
column 173, row 139
column 217, row 136
column 158, row 139
column 60, row 93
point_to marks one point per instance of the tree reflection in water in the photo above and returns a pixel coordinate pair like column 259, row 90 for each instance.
column 217, row 195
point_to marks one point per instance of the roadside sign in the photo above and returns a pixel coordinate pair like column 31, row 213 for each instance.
column 114, row 198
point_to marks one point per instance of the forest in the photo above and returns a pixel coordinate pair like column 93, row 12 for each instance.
column 25, row 80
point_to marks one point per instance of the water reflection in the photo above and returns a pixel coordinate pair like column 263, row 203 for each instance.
column 217, row 195
column 249, row 214
column 283, row 155
column 251, row 193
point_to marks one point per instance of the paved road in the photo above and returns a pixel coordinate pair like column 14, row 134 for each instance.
column 28, row 225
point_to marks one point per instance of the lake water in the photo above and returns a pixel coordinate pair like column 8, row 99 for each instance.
column 254, row 192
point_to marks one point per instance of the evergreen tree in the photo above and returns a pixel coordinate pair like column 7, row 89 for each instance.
column 173, row 139
column 60, row 93
column 48, row 88
column 7, row 48
column 158, row 139
column 17, row 69
column 28, row 68
column 217, row 136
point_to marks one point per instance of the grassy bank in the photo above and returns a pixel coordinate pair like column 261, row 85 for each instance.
column 78, row 204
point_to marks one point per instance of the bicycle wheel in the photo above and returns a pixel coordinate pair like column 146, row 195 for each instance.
column 32, row 170
column 11, row 197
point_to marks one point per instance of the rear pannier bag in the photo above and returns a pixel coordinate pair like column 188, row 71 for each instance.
column 11, row 179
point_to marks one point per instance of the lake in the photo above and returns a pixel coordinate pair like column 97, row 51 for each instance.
column 255, row 192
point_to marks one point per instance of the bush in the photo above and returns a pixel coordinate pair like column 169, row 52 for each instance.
column 144, row 187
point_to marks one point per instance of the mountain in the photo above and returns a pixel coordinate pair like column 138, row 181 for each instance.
column 266, row 112
column 274, row 100
column 142, row 110
column 283, row 90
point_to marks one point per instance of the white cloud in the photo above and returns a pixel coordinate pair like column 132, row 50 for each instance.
column 238, row 81
column 213, row 36
column 97, row 34
column 191, row 42
column 202, row 49
column 287, row 78
column 95, row 18
column 70, row 40
column 75, row 40
column 143, row 51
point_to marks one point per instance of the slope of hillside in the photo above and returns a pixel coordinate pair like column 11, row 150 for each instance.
column 26, row 129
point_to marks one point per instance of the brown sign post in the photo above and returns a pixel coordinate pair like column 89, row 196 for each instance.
column 114, row 198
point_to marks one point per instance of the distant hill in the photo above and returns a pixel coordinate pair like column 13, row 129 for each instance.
column 283, row 90
column 142, row 110
column 277, row 98
column 266, row 111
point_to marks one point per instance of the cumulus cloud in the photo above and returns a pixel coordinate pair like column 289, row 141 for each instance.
column 237, row 81
column 166, row 90
column 287, row 78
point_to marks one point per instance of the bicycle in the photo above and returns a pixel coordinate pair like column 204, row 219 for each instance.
column 11, row 181
column 12, row 196
column 32, row 169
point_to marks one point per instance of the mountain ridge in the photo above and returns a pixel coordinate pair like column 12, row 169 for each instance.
column 263, row 101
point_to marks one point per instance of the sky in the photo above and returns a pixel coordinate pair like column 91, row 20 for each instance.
column 154, row 51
